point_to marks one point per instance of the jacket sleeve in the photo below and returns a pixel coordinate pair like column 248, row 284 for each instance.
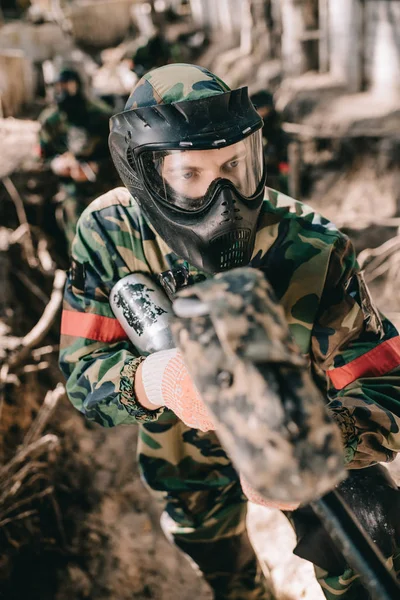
column 46, row 145
column 356, row 358
column 96, row 357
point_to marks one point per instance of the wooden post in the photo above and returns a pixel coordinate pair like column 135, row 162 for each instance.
column 295, row 159
column 345, row 42
column 323, row 25
column 246, row 40
column 382, row 46
column 224, row 9
column 261, row 30
column 294, row 56
column 16, row 82
column 197, row 9
column 223, row 18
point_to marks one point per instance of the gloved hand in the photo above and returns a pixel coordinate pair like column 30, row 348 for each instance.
column 165, row 381
column 61, row 165
column 84, row 171
column 67, row 165
column 255, row 497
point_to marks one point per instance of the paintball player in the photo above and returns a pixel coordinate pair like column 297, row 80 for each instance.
column 275, row 141
column 189, row 151
column 156, row 52
column 159, row 51
column 73, row 141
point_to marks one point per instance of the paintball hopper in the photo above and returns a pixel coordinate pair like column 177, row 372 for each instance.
column 270, row 416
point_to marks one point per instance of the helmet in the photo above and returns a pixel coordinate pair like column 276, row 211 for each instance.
column 69, row 74
column 71, row 99
column 189, row 150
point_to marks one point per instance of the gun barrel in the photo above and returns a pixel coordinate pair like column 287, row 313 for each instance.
column 87, row 169
column 357, row 547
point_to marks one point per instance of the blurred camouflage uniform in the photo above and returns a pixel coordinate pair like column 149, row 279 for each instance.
column 85, row 137
column 354, row 355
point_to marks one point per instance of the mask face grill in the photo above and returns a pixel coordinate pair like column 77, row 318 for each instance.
column 129, row 158
column 232, row 248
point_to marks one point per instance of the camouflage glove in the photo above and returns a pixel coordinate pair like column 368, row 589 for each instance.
column 167, row 382
column 269, row 414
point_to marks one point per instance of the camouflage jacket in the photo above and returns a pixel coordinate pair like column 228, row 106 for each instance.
column 58, row 134
column 354, row 352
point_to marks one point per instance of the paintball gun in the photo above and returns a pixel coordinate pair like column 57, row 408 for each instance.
column 269, row 414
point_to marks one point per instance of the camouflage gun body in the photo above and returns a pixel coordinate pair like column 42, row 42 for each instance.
column 270, row 416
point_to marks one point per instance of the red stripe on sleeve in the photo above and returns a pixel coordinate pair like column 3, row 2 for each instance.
column 378, row 361
column 92, row 327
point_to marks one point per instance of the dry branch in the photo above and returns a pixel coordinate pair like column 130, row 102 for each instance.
column 19, row 207
column 44, row 256
column 45, row 444
column 18, row 234
column 27, row 500
column 22, row 478
column 3, row 381
column 24, row 515
column 36, row 291
column 34, row 368
column 49, row 349
column 46, row 410
column 16, row 479
column 381, row 253
column 42, row 327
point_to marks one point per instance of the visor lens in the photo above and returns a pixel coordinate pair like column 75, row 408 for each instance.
column 183, row 178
